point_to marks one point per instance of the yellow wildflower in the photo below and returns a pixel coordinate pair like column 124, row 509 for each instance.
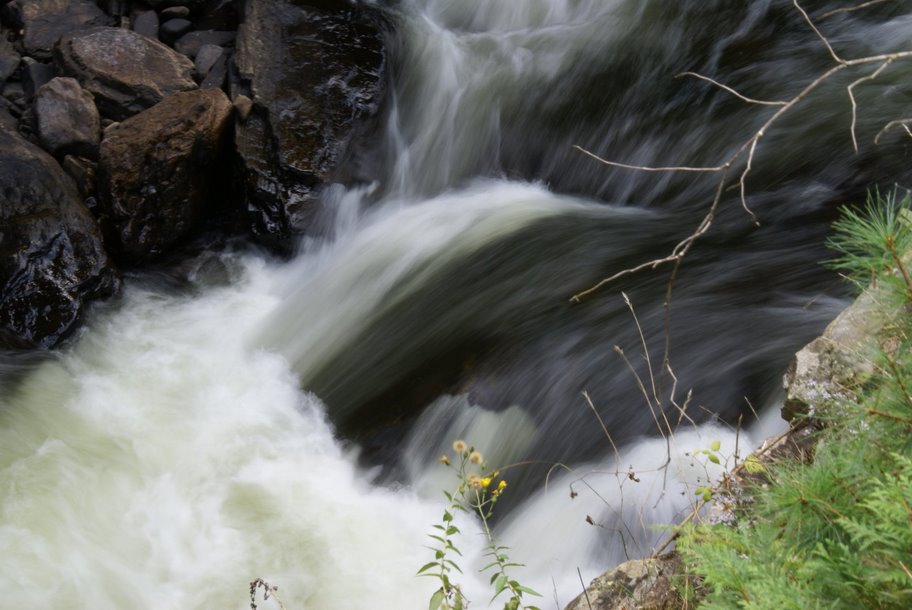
column 485, row 482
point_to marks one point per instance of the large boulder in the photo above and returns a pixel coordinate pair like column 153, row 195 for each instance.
column 314, row 73
column 645, row 584
column 830, row 368
column 44, row 22
column 105, row 61
column 157, row 169
column 52, row 260
column 67, row 119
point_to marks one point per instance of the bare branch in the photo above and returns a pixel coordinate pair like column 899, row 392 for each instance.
column 850, row 9
column 748, row 149
column 617, row 454
column 747, row 169
column 749, row 100
column 904, row 122
column 810, row 22
column 851, row 90
column 646, row 168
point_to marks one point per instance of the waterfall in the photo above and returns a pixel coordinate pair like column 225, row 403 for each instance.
column 283, row 419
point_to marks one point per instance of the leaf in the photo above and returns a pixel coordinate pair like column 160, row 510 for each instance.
column 428, row 566
column 500, row 583
column 452, row 530
column 528, row 590
column 713, row 458
column 447, row 517
column 754, row 465
column 715, row 445
column 436, row 600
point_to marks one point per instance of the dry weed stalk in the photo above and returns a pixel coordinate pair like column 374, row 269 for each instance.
column 746, row 151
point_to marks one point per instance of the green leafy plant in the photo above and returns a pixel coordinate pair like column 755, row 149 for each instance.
column 835, row 533
column 477, row 491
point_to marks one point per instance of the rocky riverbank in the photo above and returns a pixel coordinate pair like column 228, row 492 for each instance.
column 127, row 128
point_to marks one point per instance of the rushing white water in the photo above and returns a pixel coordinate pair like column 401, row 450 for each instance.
column 162, row 464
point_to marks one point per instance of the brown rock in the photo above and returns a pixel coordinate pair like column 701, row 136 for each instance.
column 105, row 61
column 156, row 170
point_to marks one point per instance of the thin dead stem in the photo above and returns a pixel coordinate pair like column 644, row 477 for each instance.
column 903, row 122
column 749, row 100
column 823, row 38
column 850, row 9
column 851, row 90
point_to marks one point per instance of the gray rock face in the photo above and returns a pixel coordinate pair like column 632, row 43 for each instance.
column 314, row 75
column 146, row 23
column 206, row 58
column 173, row 29
column 52, row 261
column 644, row 584
column 190, row 43
column 44, row 22
column 826, row 370
column 105, row 61
column 68, row 122
column 156, row 171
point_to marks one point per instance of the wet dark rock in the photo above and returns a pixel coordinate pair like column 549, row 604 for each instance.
column 34, row 75
column 14, row 92
column 82, row 171
column 175, row 12
column 104, row 61
column 218, row 74
column 157, row 170
column 52, row 261
column 315, row 76
column 206, row 57
column 190, row 43
column 7, row 121
column 44, row 22
column 146, row 23
column 67, row 120
column 173, row 29
column 9, row 59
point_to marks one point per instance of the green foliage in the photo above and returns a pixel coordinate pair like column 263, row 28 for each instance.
column 477, row 491
column 872, row 240
column 836, row 533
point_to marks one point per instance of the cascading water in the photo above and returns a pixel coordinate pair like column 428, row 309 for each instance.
column 184, row 445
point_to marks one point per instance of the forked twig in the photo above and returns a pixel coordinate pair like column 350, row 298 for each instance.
column 748, row 148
